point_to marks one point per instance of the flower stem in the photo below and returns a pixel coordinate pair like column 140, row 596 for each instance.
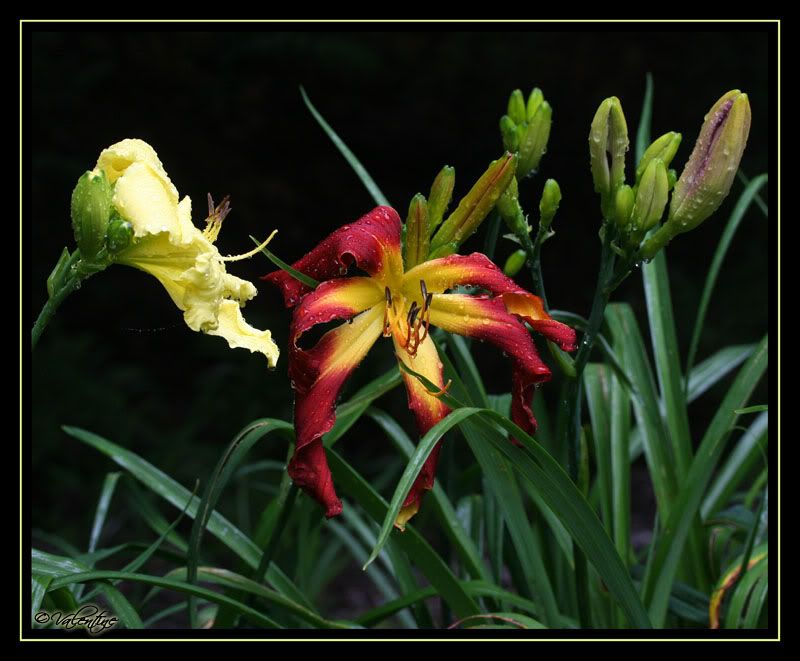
column 69, row 285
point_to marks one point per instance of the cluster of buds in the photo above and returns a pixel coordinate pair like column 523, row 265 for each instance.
column 98, row 228
column 705, row 182
column 429, row 235
column 526, row 129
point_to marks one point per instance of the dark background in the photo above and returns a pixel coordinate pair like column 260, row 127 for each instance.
column 224, row 112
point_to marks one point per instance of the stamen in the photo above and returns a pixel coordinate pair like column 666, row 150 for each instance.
column 254, row 251
column 424, row 290
column 215, row 217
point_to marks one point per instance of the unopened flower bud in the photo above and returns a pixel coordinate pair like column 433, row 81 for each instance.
column 515, row 262
column 534, row 101
column 623, row 206
column 475, row 206
column 651, row 198
column 440, row 196
column 119, row 235
column 608, row 142
column 516, row 107
column 91, row 209
column 417, row 235
column 548, row 205
column 508, row 129
column 709, row 173
column 664, row 149
column 533, row 143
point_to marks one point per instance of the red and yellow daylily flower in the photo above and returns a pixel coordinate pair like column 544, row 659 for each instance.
column 392, row 302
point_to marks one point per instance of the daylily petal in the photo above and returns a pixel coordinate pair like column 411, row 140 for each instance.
column 317, row 377
column 487, row 319
column 144, row 193
column 241, row 335
column 478, row 270
column 428, row 410
column 372, row 243
column 335, row 299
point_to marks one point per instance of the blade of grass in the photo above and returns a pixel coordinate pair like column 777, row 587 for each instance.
column 414, row 545
column 740, row 595
column 596, row 385
column 109, row 485
column 229, row 461
column 169, row 584
column 643, row 130
column 475, row 588
column 624, row 328
column 743, row 457
column 39, row 585
column 661, row 572
column 307, row 280
column 177, row 495
column 714, row 368
column 57, row 567
column 664, row 338
column 354, row 163
column 742, row 205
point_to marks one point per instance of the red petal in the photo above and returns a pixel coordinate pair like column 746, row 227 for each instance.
column 487, row 319
column 318, row 375
column 479, row 271
column 372, row 243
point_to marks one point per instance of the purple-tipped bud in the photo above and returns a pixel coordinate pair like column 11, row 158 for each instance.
column 709, row 173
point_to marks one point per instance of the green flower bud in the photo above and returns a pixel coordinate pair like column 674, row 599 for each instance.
column 119, row 234
column 516, row 107
column 515, row 262
column 651, row 198
column 623, row 206
column 709, row 173
column 664, row 148
column 475, row 206
column 534, row 101
column 672, row 175
column 533, row 144
column 511, row 211
column 90, row 210
column 608, row 142
column 548, row 205
column 417, row 234
column 440, row 196
column 508, row 129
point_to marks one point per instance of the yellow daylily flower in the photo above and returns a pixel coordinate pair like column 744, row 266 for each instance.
column 166, row 244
